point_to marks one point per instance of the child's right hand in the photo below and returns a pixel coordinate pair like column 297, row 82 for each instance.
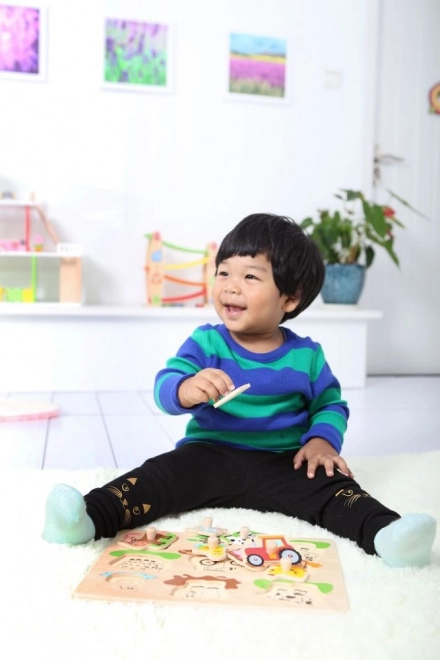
column 205, row 385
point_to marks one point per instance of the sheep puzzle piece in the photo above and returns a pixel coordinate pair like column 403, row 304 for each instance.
column 207, row 564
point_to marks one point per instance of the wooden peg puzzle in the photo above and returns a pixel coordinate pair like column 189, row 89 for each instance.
column 241, row 568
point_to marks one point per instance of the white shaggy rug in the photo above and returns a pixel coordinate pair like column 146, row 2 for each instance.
column 394, row 613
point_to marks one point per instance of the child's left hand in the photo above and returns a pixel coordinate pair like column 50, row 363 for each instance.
column 318, row 451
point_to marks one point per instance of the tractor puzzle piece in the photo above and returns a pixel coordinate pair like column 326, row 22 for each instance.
column 265, row 550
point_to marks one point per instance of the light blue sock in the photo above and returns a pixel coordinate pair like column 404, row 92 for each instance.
column 407, row 541
column 66, row 518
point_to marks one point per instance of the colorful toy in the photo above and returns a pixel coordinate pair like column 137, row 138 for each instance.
column 191, row 570
column 266, row 550
column 69, row 256
column 151, row 539
column 210, row 548
column 156, row 274
column 20, row 411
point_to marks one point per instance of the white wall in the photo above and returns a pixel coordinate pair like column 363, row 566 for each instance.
column 111, row 166
column 407, row 340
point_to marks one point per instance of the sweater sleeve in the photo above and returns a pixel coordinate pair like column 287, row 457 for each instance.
column 188, row 361
column 328, row 412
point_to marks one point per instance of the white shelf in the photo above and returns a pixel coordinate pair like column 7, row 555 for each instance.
column 44, row 255
column 18, row 203
column 339, row 313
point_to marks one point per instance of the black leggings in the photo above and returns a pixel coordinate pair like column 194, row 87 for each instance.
column 200, row 475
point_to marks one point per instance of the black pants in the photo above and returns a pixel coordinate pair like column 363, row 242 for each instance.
column 204, row 475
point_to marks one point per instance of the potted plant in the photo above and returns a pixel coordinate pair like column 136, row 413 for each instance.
column 347, row 241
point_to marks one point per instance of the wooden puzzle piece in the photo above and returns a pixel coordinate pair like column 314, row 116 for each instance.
column 206, row 529
column 265, row 550
column 212, row 549
column 150, row 539
column 232, row 395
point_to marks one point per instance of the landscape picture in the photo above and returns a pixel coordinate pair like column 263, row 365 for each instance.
column 257, row 65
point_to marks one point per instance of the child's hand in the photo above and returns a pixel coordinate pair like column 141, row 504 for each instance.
column 205, row 385
column 318, row 451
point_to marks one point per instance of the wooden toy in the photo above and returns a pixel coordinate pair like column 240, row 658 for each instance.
column 151, row 539
column 19, row 411
column 156, row 272
column 231, row 395
column 206, row 529
column 68, row 254
column 210, row 548
column 183, row 574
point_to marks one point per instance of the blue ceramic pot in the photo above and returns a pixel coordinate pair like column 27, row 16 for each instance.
column 343, row 283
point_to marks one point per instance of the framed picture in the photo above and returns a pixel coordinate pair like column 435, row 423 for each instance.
column 22, row 42
column 137, row 56
column 257, row 68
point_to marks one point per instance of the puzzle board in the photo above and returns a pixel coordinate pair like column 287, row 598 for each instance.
column 178, row 567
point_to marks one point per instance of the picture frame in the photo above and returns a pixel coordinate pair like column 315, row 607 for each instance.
column 138, row 55
column 23, row 41
column 257, row 68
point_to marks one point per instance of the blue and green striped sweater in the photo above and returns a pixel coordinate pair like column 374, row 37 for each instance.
column 293, row 395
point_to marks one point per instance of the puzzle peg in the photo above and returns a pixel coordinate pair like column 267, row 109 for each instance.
column 271, row 547
column 286, row 564
column 212, row 541
column 244, row 532
column 151, row 533
column 207, row 522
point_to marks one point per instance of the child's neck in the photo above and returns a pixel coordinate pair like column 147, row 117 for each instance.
column 260, row 343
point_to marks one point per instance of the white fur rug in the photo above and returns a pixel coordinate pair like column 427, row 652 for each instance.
column 394, row 613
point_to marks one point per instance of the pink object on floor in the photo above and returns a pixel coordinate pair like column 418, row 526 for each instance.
column 22, row 411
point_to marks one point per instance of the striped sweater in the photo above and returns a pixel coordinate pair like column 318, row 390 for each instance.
column 293, row 395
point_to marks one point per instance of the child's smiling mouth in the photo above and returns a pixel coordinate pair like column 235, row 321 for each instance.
column 233, row 310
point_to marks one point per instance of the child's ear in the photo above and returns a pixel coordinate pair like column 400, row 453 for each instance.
column 291, row 303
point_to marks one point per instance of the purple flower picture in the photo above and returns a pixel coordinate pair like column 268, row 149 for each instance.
column 136, row 54
column 257, row 65
column 20, row 41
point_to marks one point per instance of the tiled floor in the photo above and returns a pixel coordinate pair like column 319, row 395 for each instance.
column 122, row 429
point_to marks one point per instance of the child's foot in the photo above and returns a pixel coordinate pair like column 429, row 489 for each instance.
column 407, row 541
column 66, row 517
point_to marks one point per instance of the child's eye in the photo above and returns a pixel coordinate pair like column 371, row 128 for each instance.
column 249, row 276
column 222, row 273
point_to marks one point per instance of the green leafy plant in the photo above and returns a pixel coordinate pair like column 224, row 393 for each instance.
column 351, row 236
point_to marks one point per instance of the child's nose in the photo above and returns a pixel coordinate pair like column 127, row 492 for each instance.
column 232, row 286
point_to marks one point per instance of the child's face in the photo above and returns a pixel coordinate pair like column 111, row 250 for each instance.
column 247, row 299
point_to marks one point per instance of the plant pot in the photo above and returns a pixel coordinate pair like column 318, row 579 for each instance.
column 343, row 283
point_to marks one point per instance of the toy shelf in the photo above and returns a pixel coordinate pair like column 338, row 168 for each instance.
column 69, row 258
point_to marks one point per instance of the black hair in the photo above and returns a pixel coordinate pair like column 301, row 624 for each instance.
column 297, row 266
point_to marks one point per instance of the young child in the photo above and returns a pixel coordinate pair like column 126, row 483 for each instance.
column 273, row 448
